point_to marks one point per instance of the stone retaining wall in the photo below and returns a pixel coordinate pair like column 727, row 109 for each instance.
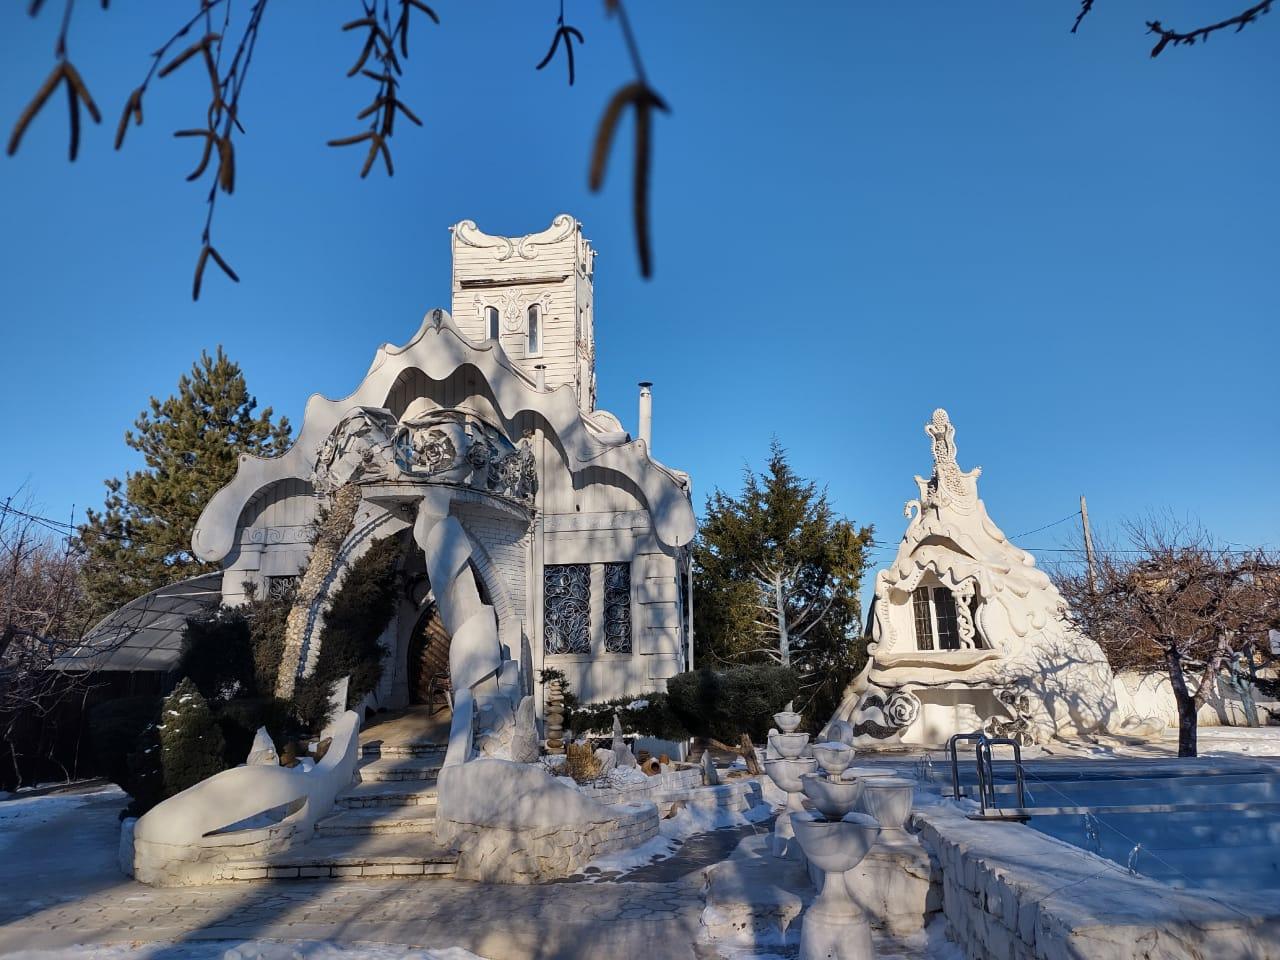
column 532, row 854
column 1012, row 893
column 658, row 789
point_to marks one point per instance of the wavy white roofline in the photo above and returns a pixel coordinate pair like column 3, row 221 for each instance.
column 438, row 350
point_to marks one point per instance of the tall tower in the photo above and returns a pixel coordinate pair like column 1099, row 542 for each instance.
column 533, row 294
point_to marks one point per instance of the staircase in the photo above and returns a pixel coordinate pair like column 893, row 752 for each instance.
column 382, row 826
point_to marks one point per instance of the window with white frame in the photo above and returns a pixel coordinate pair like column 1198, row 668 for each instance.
column 534, row 316
column 936, row 621
column 491, row 322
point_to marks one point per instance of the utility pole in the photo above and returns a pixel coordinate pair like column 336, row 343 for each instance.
column 1088, row 545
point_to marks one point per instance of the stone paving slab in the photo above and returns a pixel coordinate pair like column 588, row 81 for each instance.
column 379, row 819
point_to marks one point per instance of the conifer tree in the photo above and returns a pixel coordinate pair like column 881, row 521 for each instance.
column 191, row 743
column 190, row 444
column 776, row 576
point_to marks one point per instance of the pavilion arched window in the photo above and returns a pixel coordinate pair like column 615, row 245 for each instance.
column 936, row 621
column 491, row 322
column 534, row 316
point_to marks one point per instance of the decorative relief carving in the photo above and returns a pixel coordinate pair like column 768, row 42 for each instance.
column 566, row 604
column 359, row 449
column 526, row 248
column 447, row 446
column 882, row 717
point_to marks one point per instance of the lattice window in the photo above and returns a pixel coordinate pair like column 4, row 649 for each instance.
column 924, row 621
column 566, row 608
column 617, row 608
column 281, row 588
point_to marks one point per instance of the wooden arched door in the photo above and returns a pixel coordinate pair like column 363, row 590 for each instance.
column 428, row 658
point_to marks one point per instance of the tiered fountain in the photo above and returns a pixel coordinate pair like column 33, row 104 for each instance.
column 888, row 800
column 786, row 772
column 834, row 840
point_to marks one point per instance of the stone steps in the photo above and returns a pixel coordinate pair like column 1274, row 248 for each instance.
column 374, row 749
column 388, row 793
column 351, row 858
column 419, row 818
column 398, row 769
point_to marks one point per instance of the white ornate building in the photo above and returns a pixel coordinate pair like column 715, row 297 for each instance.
column 543, row 533
column 967, row 633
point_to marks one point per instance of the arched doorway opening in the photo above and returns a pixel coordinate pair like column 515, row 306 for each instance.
column 428, row 654
column 429, row 660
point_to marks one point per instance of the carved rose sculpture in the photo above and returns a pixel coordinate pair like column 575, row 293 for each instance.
column 901, row 709
column 881, row 717
column 435, row 451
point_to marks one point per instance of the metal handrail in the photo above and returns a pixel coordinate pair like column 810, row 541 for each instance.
column 1019, row 775
column 955, row 763
column 986, row 769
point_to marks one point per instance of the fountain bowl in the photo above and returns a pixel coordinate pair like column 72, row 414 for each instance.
column 789, row 745
column 833, row 757
column 788, row 771
column 865, row 773
column 888, row 799
column 833, row 798
column 835, row 846
column 787, row 720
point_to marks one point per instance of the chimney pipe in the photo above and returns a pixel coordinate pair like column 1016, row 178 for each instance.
column 646, row 413
column 541, row 369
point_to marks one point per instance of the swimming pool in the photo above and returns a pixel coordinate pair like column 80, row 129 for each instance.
column 1190, row 823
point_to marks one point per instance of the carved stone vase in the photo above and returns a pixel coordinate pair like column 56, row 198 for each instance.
column 888, row 800
column 787, row 774
column 834, row 927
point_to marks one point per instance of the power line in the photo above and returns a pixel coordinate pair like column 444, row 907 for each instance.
column 1027, row 533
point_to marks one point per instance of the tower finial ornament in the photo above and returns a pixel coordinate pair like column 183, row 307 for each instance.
column 949, row 486
column 943, row 435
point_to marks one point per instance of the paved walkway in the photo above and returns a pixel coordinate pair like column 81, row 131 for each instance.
column 59, row 885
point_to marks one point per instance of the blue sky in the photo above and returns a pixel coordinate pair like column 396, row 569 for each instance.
column 861, row 212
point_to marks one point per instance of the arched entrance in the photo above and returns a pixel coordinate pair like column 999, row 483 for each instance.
column 428, row 659
column 427, row 656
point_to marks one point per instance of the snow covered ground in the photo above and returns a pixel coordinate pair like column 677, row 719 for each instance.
column 245, row 950
column 20, row 813
column 929, row 944
column 1234, row 741
column 671, row 835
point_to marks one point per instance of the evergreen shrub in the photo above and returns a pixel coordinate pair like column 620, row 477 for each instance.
column 357, row 615
column 217, row 655
column 191, row 744
column 646, row 714
column 724, row 704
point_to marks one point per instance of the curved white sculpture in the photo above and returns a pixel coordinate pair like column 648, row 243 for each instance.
column 187, row 838
column 968, row 634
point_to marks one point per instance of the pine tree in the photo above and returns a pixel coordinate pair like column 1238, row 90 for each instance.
column 190, row 444
column 191, row 743
column 776, row 576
